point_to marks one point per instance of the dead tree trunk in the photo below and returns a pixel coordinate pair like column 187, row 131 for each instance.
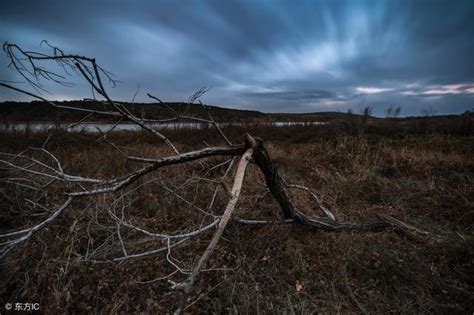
column 273, row 179
column 279, row 189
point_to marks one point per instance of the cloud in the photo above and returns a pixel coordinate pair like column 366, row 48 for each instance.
column 267, row 55
column 300, row 96
column 372, row 90
column 441, row 90
column 450, row 89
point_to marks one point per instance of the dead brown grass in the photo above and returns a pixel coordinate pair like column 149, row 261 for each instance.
column 426, row 180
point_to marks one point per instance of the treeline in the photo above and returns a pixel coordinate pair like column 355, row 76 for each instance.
column 42, row 111
column 39, row 111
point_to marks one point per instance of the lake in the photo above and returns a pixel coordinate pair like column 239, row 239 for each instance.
column 105, row 127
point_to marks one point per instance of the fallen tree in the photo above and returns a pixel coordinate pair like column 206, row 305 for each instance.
column 37, row 169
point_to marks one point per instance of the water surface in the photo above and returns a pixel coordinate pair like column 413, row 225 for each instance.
column 105, row 127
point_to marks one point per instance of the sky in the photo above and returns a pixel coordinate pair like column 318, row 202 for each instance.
column 272, row 56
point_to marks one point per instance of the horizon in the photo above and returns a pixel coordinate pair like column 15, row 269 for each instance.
column 269, row 56
column 350, row 111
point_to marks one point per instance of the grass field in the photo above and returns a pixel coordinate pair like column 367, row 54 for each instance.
column 420, row 171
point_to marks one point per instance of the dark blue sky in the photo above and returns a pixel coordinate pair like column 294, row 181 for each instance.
column 274, row 56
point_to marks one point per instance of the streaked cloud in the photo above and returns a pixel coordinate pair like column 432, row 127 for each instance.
column 267, row 55
column 450, row 89
column 372, row 90
column 441, row 90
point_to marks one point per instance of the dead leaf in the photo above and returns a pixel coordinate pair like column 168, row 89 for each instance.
column 299, row 286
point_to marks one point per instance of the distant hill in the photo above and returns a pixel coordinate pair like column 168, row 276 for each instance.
column 42, row 111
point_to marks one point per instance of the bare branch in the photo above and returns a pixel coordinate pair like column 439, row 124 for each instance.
column 315, row 198
column 236, row 188
column 28, row 232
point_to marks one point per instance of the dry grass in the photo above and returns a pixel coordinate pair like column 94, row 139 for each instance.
column 425, row 179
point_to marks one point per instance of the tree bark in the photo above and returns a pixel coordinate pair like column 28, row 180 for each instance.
column 273, row 180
